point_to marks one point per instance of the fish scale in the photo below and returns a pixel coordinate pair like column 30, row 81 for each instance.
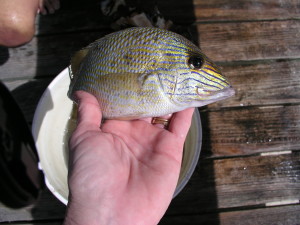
column 146, row 72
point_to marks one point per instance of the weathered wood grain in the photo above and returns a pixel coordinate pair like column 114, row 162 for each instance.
column 236, row 183
column 262, row 83
column 234, row 131
column 19, row 62
column 89, row 16
column 287, row 215
column 256, row 83
column 250, row 40
column 242, row 131
column 257, row 44
column 226, row 132
column 217, row 185
column 181, row 12
column 224, row 42
column 44, row 56
column 227, row 10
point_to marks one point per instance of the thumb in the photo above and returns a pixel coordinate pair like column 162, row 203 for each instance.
column 89, row 114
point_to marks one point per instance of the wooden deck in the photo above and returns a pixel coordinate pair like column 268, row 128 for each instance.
column 249, row 170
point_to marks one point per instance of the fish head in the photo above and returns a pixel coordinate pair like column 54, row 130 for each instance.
column 198, row 81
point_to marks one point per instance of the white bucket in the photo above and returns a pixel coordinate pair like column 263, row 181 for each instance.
column 50, row 131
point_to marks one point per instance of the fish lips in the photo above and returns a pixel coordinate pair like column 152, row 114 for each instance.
column 214, row 96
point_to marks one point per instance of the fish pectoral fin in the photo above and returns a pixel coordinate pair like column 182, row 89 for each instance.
column 143, row 79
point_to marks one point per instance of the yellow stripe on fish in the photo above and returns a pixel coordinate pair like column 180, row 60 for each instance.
column 146, row 72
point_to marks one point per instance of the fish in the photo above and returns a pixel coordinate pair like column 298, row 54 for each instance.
column 146, row 72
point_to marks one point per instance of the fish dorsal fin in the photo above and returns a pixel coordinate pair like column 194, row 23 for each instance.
column 77, row 59
column 79, row 56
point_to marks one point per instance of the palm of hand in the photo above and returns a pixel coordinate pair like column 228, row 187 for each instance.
column 132, row 163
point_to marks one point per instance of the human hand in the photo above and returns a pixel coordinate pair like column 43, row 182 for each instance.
column 124, row 172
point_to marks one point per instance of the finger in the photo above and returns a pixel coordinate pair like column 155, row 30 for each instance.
column 181, row 122
column 147, row 119
column 89, row 113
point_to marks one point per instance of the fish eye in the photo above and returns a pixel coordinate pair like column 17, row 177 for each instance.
column 195, row 62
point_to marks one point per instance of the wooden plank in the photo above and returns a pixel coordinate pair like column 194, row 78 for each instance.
column 256, row 83
column 287, row 215
column 250, row 40
column 47, row 207
column 48, row 55
column 240, row 183
column 262, row 83
column 249, row 130
column 233, row 131
column 44, row 56
column 228, row 10
column 19, row 62
column 180, row 12
column 216, row 185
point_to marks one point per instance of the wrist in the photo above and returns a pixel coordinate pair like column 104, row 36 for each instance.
column 82, row 214
column 78, row 214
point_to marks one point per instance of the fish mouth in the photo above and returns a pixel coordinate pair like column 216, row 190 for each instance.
column 212, row 96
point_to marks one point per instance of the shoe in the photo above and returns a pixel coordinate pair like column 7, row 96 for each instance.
column 20, row 178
